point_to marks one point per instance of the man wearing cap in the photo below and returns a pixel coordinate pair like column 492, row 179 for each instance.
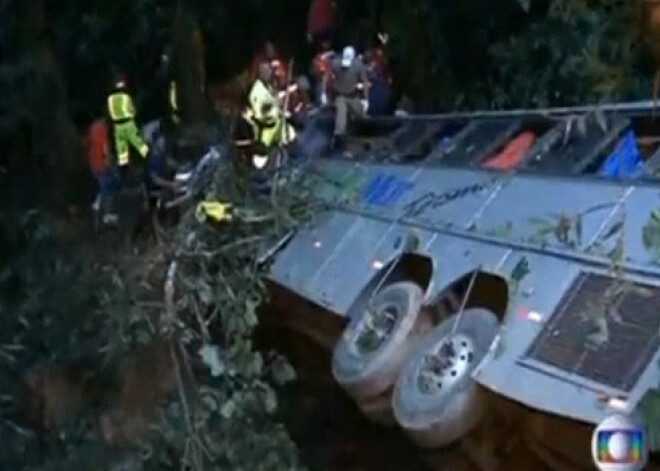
column 351, row 88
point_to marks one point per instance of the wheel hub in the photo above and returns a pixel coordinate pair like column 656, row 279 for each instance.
column 445, row 364
column 376, row 328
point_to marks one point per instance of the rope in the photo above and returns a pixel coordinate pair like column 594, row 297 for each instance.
column 389, row 271
column 466, row 296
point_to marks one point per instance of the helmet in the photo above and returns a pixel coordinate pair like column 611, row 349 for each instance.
column 120, row 82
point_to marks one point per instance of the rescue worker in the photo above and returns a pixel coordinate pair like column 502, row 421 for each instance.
column 265, row 115
column 321, row 64
column 155, row 135
column 174, row 105
column 296, row 89
column 380, row 56
column 351, row 89
column 122, row 113
column 294, row 99
column 100, row 164
column 271, row 55
column 379, row 84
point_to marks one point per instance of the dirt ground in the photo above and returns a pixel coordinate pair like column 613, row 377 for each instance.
column 326, row 425
column 333, row 435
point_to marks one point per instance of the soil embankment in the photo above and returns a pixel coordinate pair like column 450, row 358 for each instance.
column 332, row 434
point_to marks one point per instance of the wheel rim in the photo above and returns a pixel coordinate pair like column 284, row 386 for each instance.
column 375, row 329
column 447, row 363
column 435, row 398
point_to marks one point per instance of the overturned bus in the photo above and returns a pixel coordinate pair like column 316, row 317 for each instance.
column 461, row 295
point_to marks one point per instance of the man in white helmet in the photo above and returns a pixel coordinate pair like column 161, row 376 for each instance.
column 351, row 89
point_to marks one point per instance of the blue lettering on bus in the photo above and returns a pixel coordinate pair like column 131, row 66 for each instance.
column 384, row 190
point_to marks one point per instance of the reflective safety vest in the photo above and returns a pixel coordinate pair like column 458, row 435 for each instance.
column 263, row 103
column 120, row 107
column 173, row 97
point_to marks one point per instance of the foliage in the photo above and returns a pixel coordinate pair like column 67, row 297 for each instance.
column 480, row 54
column 220, row 289
column 577, row 53
column 221, row 418
column 651, row 235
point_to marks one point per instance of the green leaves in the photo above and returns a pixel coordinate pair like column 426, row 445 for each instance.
column 412, row 241
column 218, row 266
column 255, row 366
column 282, row 371
column 228, row 409
column 651, row 235
column 524, row 4
column 205, row 293
column 251, row 319
column 577, row 52
column 566, row 229
column 521, row 270
column 270, row 400
column 210, row 355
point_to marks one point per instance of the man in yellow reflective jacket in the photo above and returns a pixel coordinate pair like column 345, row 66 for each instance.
column 265, row 113
column 122, row 114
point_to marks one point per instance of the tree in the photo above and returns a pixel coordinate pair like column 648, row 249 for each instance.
column 188, row 65
column 51, row 145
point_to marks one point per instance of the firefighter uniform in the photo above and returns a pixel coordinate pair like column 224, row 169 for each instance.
column 122, row 114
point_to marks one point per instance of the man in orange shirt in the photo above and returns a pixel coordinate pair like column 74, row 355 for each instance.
column 98, row 154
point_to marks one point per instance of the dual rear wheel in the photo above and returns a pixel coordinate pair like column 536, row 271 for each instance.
column 375, row 345
column 401, row 370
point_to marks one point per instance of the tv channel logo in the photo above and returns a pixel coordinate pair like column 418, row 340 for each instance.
column 619, row 444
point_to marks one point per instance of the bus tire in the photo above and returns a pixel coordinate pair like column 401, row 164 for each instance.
column 367, row 359
column 435, row 399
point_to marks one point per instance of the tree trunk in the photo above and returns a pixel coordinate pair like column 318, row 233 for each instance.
column 189, row 71
column 374, row 16
column 55, row 149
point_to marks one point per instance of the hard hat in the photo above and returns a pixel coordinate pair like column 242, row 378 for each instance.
column 120, row 82
column 347, row 56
